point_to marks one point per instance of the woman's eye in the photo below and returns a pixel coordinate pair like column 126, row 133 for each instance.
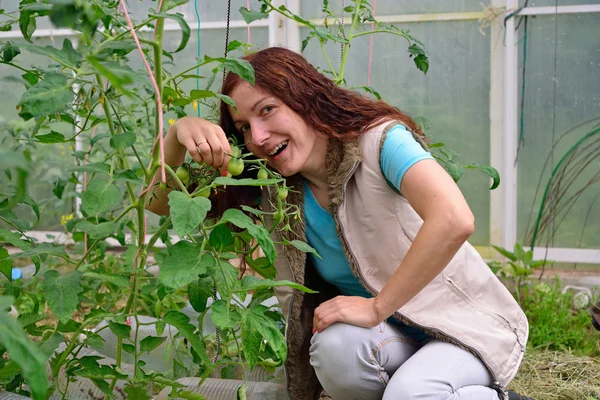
column 267, row 109
column 244, row 128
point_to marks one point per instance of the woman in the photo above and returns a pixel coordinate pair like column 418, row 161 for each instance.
column 406, row 308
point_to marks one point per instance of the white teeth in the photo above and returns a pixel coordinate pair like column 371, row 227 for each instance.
column 277, row 148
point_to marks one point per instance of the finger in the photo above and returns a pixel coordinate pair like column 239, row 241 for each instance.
column 190, row 145
column 216, row 151
column 205, row 150
column 226, row 148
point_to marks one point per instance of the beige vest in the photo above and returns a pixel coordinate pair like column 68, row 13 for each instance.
column 465, row 304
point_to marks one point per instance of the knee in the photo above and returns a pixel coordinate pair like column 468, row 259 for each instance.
column 405, row 385
column 337, row 342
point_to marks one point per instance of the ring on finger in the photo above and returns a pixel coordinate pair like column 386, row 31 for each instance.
column 200, row 142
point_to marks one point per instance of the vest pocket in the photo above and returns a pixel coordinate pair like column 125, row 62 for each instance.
column 495, row 316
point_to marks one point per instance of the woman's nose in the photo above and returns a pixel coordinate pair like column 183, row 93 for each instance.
column 259, row 134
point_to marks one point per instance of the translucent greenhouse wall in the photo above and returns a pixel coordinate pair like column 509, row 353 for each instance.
column 472, row 95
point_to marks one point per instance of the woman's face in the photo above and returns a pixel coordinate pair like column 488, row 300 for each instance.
column 273, row 131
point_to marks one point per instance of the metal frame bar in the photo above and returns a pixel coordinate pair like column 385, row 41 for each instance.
column 550, row 10
column 508, row 170
column 169, row 27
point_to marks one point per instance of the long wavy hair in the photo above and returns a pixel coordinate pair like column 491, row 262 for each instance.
column 328, row 109
column 324, row 106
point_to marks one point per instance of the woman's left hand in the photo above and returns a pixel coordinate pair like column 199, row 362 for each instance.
column 353, row 310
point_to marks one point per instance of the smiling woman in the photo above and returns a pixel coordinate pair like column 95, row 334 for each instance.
column 390, row 226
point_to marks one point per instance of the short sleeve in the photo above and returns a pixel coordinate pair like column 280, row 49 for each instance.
column 400, row 152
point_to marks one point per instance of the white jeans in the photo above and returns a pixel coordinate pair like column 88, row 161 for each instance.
column 384, row 363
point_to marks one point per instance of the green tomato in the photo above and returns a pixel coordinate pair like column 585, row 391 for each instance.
column 282, row 193
column 262, row 174
column 183, row 174
column 235, row 166
column 205, row 192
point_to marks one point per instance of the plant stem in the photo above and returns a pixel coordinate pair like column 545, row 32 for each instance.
column 347, row 45
column 87, row 253
column 163, row 228
column 335, row 75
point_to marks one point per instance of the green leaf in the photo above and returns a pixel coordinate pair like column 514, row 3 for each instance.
column 118, row 75
column 241, row 220
column 220, row 238
column 262, row 266
column 23, row 352
column 202, row 94
column 185, row 28
column 489, row 171
column 9, row 51
column 225, row 276
column 103, row 386
column 52, row 137
column 182, row 323
column 170, row 4
column 41, row 249
column 120, row 330
column 127, row 175
column 183, row 264
column 27, row 22
column 118, row 280
column 149, row 343
column 9, row 371
column 6, row 264
column 222, row 316
column 31, row 203
column 129, row 348
column 13, row 238
column 136, row 393
column 250, row 282
column 187, row 212
column 109, row 47
column 505, row 253
column 29, row 318
column 62, row 292
column 122, row 140
column 67, row 57
column 422, row 63
column 187, row 395
column 303, row 246
column 425, row 124
column 99, row 197
column 99, row 231
column 51, row 344
column 46, row 97
column 59, row 187
column 198, row 293
column 251, row 16
column 100, row 168
column 226, row 99
column 540, row 263
column 234, row 45
column 454, row 170
column 255, row 322
column 238, row 66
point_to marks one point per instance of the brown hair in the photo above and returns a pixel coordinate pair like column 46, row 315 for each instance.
column 325, row 107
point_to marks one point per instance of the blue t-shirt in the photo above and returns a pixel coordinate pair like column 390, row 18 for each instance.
column 400, row 151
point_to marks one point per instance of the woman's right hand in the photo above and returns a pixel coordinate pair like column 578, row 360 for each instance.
column 206, row 142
